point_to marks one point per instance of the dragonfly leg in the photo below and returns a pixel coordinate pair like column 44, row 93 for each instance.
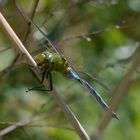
column 41, row 88
column 50, row 80
column 35, row 88
column 46, row 74
column 34, row 75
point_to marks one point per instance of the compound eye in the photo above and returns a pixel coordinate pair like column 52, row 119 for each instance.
column 50, row 55
column 43, row 55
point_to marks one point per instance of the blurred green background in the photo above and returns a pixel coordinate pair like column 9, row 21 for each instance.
column 106, row 55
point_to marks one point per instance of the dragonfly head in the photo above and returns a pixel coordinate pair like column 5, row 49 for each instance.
column 45, row 57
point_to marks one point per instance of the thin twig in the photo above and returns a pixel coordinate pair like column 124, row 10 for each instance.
column 120, row 93
column 16, row 40
column 51, row 125
column 55, row 96
column 87, row 35
column 37, row 125
column 15, row 125
column 33, row 11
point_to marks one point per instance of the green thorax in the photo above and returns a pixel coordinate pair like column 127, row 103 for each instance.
column 53, row 61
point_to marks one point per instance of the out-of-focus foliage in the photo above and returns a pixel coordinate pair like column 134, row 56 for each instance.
column 106, row 55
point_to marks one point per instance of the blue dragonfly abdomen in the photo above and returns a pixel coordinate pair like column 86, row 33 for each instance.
column 93, row 92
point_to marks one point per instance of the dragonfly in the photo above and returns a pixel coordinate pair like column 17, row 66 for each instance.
column 54, row 60
column 49, row 61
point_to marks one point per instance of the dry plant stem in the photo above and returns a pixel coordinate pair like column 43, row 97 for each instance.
column 13, row 127
column 23, row 123
column 87, row 35
column 120, row 93
column 55, row 96
column 33, row 10
column 70, row 115
column 67, row 111
column 16, row 40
